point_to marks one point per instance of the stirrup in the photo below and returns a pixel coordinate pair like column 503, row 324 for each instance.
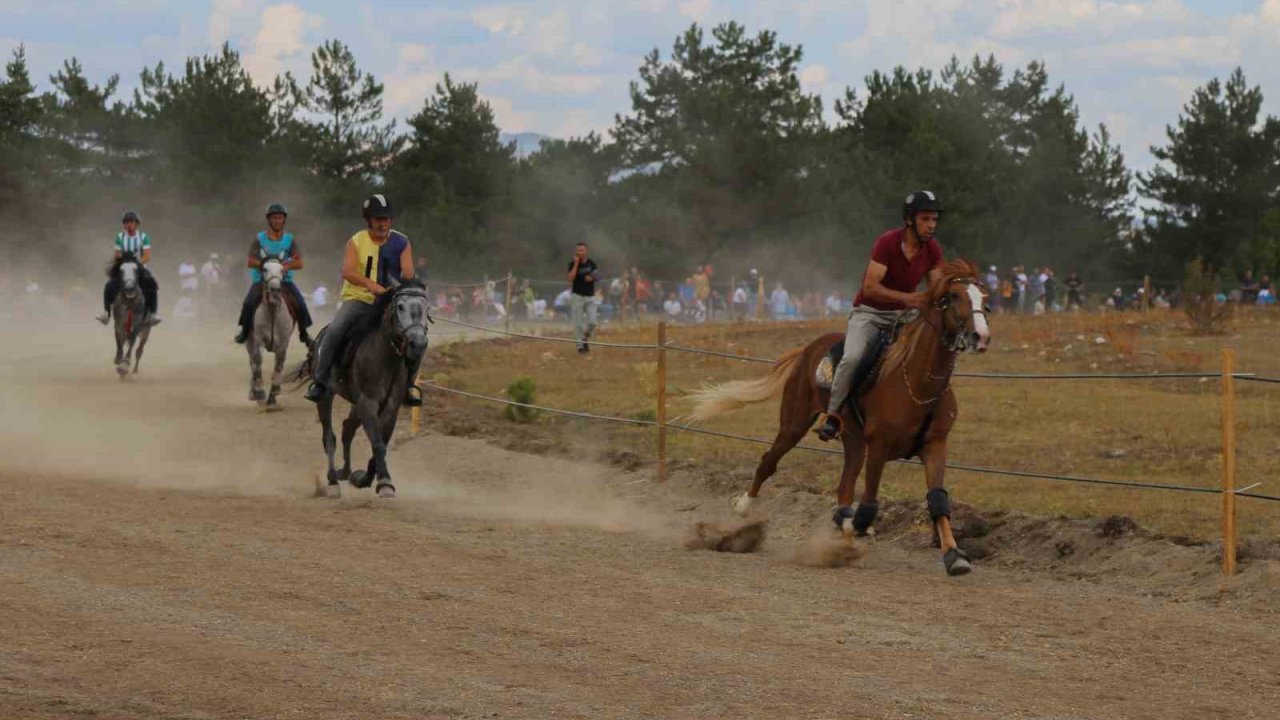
column 316, row 392
column 825, row 432
column 413, row 396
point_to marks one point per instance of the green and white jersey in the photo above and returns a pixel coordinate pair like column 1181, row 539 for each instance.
column 133, row 243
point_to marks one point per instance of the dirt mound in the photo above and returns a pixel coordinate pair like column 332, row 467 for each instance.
column 827, row 549
column 743, row 536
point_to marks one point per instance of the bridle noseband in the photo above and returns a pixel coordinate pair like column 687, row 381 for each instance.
column 955, row 341
column 397, row 336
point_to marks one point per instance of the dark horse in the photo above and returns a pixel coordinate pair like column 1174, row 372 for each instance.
column 909, row 410
column 130, row 313
column 373, row 375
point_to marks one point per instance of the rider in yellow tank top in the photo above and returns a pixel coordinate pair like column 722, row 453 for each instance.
column 374, row 261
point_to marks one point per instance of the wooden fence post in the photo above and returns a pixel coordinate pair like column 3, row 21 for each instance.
column 662, row 401
column 510, row 283
column 415, row 414
column 1228, row 462
column 760, row 298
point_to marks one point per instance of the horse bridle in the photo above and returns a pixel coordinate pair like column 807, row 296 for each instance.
column 956, row 341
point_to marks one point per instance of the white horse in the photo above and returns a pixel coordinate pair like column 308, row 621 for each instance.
column 272, row 329
column 130, row 312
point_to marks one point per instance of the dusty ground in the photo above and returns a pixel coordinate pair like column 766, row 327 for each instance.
column 162, row 556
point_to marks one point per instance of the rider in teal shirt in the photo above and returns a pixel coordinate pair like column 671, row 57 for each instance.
column 274, row 242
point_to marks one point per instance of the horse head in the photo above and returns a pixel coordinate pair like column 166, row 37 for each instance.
column 128, row 268
column 408, row 315
column 272, row 274
column 961, row 299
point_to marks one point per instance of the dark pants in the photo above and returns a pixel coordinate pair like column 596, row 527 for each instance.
column 254, row 297
column 350, row 314
column 145, row 281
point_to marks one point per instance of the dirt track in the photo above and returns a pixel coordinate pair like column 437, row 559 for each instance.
column 162, row 557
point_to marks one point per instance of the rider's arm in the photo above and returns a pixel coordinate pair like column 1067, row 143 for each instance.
column 406, row 262
column 873, row 290
column 254, row 261
column 146, row 255
column 351, row 270
column 295, row 260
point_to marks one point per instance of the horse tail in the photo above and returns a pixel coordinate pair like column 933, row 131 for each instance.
column 304, row 370
column 717, row 400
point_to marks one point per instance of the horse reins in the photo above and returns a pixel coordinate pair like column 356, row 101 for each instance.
column 954, row 346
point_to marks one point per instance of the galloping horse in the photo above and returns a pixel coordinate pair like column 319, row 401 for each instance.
column 373, row 375
column 129, row 311
column 272, row 328
column 909, row 410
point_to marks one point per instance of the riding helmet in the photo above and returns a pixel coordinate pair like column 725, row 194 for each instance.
column 920, row 201
column 274, row 208
column 376, row 205
column 131, row 215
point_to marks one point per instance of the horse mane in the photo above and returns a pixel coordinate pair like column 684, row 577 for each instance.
column 905, row 345
column 113, row 267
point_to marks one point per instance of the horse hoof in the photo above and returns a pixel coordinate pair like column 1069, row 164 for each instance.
column 342, row 475
column 386, row 491
column 360, row 479
column 843, row 519
column 333, row 490
column 743, row 505
column 957, row 562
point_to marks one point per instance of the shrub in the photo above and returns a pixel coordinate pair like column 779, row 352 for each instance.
column 521, row 390
column 1199, row 290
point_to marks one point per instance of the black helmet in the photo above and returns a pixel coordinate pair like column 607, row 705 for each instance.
column 274, row 208
column 131, row 215
column 920, row 201
column 376, row 206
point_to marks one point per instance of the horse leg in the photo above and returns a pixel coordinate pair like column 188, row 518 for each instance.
column 324, row 409
column 389, row 418
column 789, row 435
column 349, row 427
column 850, row 522
column 865, row 514
column 369, row 419
column 137, row 355
column 280, row 356
column 934, row 456
column 256, row 393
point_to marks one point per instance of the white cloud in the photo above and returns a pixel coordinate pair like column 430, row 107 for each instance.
column 585, row 55
column 415, row 76
column 505, row 116
column 698, row 10
column 814, row 78
column 227, row 18
column 1164, row 53
column 520, row 72
column 281, row 37
column 1019, row 18
column 500, row 19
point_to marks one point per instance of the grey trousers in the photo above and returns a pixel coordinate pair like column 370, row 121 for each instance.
column 349, row 314
column 582, row 308
column 864, row 324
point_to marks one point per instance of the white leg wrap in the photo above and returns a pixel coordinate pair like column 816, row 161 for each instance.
column 743, row 505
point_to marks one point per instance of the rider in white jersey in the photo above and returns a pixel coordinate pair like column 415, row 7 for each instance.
column 137, row 243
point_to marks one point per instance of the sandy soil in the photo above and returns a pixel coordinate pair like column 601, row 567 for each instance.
column 162, row 556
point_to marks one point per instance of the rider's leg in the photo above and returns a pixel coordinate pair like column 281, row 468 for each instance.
column 304, row 314
column 150, row 289
column 109, row 293
column 247, row 308
column 864, row 324
column 349, row 314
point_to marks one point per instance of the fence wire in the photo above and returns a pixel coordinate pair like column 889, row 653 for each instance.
column 827, row 451
column 596, row 343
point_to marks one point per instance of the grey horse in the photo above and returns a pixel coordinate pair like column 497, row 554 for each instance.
column 372, row 374
column 130, row 313
column 272, row 329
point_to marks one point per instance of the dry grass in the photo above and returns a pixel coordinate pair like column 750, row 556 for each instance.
column 1166, row 431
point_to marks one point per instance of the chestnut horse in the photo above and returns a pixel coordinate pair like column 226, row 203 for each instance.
column 909, row 410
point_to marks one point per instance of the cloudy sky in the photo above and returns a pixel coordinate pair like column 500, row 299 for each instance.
column 562, row 68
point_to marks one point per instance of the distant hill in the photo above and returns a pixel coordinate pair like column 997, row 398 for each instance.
column 526, row 142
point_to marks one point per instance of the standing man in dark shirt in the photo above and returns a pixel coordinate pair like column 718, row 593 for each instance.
column 1075, row 288
column 900, row 259
column 583, row 272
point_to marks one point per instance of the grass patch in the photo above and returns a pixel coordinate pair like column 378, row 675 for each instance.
column 1166, row 431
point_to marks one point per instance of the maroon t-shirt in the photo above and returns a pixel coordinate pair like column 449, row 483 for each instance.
column 903, row 275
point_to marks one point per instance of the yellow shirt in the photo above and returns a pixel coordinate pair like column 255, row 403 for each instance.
column 375, row 261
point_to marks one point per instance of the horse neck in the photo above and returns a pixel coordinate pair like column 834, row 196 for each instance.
column 929, row 362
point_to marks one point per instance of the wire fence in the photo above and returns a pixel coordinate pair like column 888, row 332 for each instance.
column 826, row 451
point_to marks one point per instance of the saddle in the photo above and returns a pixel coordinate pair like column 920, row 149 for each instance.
column 865, row 374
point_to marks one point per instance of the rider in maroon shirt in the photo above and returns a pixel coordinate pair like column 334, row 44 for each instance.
column 900, row 259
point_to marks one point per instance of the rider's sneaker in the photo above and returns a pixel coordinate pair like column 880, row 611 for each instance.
column 831, row 428
column 413, row 396
column 153, row 319
column 316, row 392
column 103, row 317
column 242, row 337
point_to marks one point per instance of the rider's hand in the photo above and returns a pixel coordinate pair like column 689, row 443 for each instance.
column 918, row 300
column 376, row 289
